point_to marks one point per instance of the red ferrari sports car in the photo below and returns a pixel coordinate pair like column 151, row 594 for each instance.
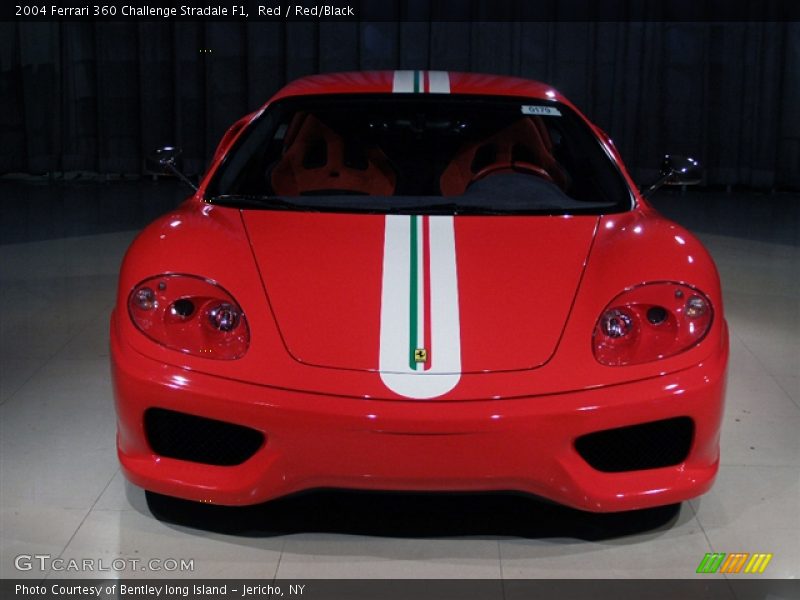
column 420, row 280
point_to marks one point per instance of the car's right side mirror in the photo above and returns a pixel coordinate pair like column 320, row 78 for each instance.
column 676, row 170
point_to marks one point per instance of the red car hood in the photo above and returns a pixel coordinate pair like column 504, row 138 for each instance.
column 436, row 294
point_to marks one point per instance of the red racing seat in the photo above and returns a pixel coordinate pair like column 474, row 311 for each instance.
column 525, row 142
column 317, row 160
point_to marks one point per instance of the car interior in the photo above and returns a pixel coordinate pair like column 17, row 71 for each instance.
column 476, row 155
column 316, row 160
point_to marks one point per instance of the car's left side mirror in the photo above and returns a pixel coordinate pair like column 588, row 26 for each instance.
column 676, row 170
column 167, row 159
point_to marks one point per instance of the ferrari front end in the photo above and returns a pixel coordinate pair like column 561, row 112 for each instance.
column 419, row 281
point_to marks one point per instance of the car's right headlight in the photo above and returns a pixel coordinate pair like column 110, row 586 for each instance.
column 650, row 322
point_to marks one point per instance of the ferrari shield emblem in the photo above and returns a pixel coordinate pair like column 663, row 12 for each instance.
column 420, row 355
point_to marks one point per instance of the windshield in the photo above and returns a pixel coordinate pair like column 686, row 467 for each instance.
column 420, row 154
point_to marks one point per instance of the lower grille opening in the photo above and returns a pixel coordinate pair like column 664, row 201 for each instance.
column 187, row 437
column 647, row 446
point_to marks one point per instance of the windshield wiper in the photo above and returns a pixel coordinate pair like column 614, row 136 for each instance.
column 263, row 202
column 444, row 208
column 301, row 203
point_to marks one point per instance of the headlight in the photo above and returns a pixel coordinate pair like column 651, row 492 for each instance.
column 651, row 322
column 190, row 314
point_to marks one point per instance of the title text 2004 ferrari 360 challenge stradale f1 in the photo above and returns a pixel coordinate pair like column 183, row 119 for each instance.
column 419, row 280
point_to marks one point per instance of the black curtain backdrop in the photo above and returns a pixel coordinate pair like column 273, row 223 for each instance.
column 99, row 96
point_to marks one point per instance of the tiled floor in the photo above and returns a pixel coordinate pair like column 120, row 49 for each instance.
column 61, row 492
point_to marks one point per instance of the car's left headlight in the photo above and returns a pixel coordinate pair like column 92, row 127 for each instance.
column 650, row 322
column 190, row 314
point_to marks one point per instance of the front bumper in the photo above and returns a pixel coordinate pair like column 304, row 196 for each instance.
column 320, row 441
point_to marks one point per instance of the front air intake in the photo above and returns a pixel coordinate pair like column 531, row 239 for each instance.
column 637, row 447
column 188, row 437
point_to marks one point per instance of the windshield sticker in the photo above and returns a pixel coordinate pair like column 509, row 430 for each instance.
column 552, row 111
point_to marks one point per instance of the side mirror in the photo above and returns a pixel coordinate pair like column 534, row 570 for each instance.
column 167, row 156
column 677, row 170
column 167, row 159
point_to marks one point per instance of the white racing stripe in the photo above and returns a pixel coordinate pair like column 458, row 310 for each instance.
column 395, row 343
column 439, row 82
column 398, row 370
column 409, row 82
column 403, row 82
